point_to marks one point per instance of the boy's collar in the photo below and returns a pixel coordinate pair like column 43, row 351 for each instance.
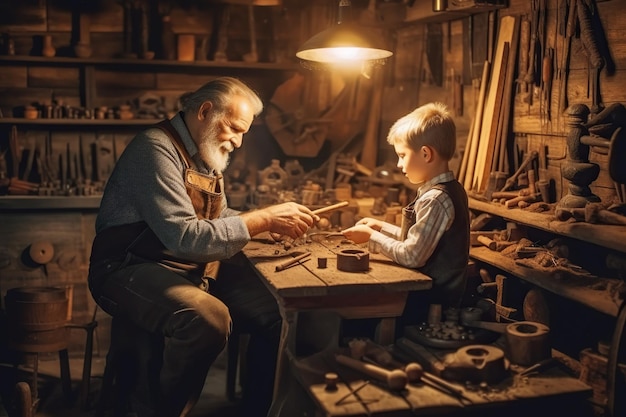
column 444, row 177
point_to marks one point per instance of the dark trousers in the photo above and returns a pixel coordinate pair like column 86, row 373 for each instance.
column 254, row 311
column 196, row 324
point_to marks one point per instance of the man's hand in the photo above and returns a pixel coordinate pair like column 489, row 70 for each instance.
column 359, row 233
column 289, row 219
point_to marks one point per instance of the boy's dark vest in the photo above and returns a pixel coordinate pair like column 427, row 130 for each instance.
column 448, row 263
column 141, row 243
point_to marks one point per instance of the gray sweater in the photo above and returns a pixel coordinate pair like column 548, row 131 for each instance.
column 147, row 185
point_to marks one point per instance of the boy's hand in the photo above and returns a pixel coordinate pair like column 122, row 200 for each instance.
column 359, row 233
column 373, row 223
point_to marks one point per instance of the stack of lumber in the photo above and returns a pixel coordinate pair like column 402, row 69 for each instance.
column 487, row 140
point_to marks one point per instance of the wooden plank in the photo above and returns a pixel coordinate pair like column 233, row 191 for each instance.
column 506, row 117
column 508, row 26
column 491, row 119
column 472, row 147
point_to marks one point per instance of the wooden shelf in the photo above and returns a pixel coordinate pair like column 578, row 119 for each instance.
column 422, row 11
column 608, row 236
column 130, row 63
column 77, row 122
column 598, row 293
column 34, row 202
column 91, row 123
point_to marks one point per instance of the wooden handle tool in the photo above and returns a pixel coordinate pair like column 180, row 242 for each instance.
column 331, row 207
column 292, row 261
column 396, row 380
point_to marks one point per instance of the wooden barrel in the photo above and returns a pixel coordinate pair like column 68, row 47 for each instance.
column 37, row 318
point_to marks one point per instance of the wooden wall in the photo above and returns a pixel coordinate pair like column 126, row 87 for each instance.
column 529, row 131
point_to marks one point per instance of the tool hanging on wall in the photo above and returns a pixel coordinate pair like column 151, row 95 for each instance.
column 541, row 58
column 532, row 53
column 546, row 85
column 589, row 42
column 524, row 45
column 570, row 28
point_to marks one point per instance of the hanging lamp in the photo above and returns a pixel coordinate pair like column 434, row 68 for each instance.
column 346, row 43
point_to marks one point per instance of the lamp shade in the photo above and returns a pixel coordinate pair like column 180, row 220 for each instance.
column 343, row 43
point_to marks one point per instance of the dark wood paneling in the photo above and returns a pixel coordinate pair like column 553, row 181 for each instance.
column 13, row 76
column 54, row 77
column 114, row 80
column 23, row 15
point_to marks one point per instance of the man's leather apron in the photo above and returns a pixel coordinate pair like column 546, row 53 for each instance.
column 137, row 243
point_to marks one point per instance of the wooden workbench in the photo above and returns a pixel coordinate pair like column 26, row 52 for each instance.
column 378, row 292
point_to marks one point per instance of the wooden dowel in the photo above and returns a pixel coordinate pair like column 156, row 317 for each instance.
column 292, row 261
column 331, row 207
column 490, row 243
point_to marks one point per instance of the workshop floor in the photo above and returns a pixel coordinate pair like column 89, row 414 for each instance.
column 212, row 403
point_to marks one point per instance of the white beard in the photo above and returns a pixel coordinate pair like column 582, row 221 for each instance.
column 215, row 154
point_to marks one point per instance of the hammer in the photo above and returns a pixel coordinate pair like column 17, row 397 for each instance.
column 596, row 214
column 510, row 182
column 414, row 372
column 591, row 213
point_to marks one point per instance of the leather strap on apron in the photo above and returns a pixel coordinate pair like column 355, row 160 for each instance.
column 140, row 242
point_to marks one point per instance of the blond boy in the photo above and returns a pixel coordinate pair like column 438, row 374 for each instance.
column 435, row 238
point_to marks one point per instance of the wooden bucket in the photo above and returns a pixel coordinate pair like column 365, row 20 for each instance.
column 37, row 318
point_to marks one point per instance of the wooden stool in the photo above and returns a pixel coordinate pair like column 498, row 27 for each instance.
column 235, row 366
column 133, row 364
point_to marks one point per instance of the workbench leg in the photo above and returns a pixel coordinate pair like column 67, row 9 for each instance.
column 386, row 331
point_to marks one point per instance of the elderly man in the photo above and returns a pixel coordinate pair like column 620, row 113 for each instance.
column 163, row 227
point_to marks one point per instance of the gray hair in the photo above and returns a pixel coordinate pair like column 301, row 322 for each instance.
column 219, row 92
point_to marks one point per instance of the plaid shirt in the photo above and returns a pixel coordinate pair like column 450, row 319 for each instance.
column 434, row 214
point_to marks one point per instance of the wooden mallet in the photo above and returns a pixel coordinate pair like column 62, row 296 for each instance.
column 413, row 370
column 396, row 379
